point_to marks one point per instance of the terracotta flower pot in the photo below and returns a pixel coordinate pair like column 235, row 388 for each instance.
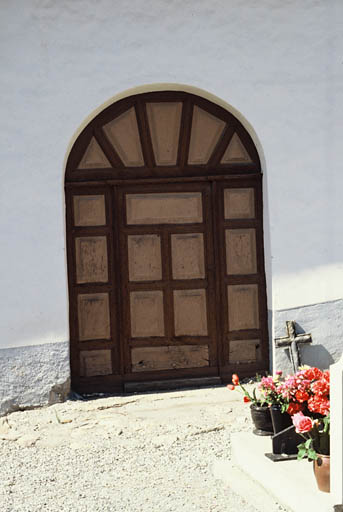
column 321, row 469
column 262, row 420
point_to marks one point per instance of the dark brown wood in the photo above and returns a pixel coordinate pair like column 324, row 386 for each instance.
column 185, row 133
column 210, row 180
column 144, row 132
column 251, row 279
column 182, row 179
column 221, row 146
column 107, row 148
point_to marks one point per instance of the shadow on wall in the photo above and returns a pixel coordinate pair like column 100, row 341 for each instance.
column 324, row 321
column 316, row 355
column 313, row 355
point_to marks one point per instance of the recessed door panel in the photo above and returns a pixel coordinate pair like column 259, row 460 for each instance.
column 147, row 318
column 144, row 254
column 190, row 312
column 188, row 256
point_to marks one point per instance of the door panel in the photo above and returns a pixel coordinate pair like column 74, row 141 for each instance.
column 167, row 278
column 242, row 277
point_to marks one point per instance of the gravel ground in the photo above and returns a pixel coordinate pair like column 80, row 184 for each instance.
column 130, row 453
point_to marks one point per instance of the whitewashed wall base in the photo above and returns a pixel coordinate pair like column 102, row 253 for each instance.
column 33, row 376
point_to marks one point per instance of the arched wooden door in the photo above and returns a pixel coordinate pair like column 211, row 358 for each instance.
column 165, row 245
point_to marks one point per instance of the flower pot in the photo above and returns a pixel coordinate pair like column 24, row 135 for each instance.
column 280, row 420
column 262, row 420
column 321, row 469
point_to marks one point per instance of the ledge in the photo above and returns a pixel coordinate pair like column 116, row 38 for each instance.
column 291, row 482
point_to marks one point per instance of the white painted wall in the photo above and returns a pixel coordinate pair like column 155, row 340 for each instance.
column 278, row 62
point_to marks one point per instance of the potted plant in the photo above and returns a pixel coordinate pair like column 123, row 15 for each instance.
column 271, row 389
column 316, row 446
column 315, row 427
column 259, row 409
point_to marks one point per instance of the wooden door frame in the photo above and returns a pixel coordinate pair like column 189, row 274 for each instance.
column 108, row 180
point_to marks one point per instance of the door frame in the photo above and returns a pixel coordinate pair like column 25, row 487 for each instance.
column 117, row 380
column 113, row 171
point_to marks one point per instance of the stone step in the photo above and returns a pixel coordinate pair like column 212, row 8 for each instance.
column 291, row 482
column 170, row 384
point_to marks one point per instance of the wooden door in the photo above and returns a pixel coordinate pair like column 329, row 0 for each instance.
column 165, row 244
column 168, row 289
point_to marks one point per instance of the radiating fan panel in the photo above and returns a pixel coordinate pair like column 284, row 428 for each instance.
column 206, row 130
column 94, row 157
column 235, row 152
column 164, row 122
column 123, row 133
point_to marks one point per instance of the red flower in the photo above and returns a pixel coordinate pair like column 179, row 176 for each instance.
column 320, row 387
column 313, row 373
column 326, row 375
column 302, row 396
column 319, row 404
column 235, row 379
column 294, row 407
column 246, row 399
column 231, row 387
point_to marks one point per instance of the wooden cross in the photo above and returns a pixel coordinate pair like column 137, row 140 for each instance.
column 291, row 342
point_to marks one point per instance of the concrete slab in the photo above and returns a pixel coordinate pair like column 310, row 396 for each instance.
column 291, row 482
column 240, row 483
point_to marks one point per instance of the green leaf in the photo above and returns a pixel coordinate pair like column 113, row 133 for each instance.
column 284, row 407
column 301, row 452
column 311, row 455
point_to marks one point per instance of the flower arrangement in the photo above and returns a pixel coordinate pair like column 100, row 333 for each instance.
column 311, row 387
column 308, row 390
column 259, row 401
column 316, row 434
column 270, row 387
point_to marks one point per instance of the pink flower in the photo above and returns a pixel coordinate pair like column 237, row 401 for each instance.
column 267, row 383
column 302, row 423
column 279, row 372
column 231, row 387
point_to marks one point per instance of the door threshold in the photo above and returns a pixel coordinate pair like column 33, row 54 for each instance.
column 162, row 385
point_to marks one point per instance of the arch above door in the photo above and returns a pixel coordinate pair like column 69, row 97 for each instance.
column 165, row 244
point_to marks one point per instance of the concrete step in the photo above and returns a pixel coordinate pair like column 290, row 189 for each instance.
column 290, row 482
column 241, row 484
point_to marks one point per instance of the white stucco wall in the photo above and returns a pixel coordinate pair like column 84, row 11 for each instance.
column 278, row 62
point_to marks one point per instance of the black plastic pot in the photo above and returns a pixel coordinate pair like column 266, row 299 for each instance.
column 280, row 420
column 261, row 418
